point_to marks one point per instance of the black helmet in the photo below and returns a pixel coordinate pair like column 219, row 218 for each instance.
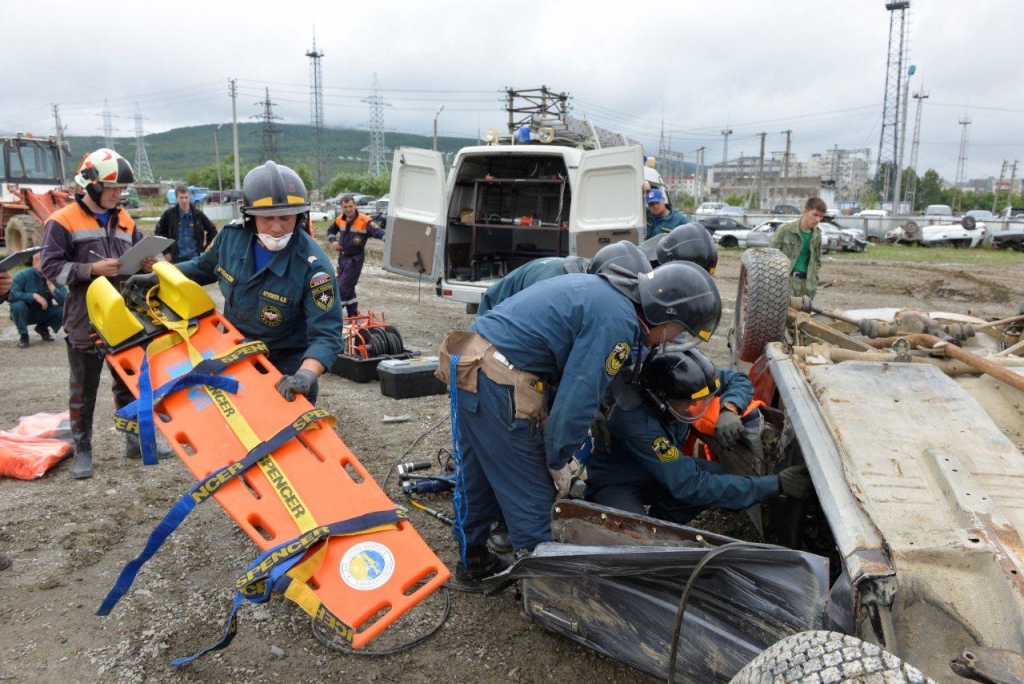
column 626, row 256
column 680, row 383
column 274, row 190
column 689, row 242
column 681, row 292
column 650, row 247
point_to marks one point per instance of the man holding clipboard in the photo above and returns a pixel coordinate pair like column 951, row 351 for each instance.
column 83, row 241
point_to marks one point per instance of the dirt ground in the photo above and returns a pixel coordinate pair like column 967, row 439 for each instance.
column 70, row 538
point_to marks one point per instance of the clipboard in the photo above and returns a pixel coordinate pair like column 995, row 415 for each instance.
column 149, row 246
column 18, row 258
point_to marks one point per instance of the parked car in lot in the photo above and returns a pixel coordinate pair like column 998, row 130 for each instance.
column 871, row 213
column 318, row 214
column 781, row 209
column 1011, row 238
column 951, row 235
column 707, row 209
column 981, row 215
column 836, row 239
column 761, row 236
column 717, row 223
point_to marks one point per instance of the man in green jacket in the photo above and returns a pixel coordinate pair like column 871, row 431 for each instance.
column 800, row 241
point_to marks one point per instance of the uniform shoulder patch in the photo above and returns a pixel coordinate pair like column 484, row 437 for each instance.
column 321, row 288
column 617, row 359
column 665, row 450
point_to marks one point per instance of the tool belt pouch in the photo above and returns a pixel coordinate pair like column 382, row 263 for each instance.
column 531, row 403
column 470, row 348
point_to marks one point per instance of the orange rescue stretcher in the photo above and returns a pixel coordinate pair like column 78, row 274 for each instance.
column 330, row 538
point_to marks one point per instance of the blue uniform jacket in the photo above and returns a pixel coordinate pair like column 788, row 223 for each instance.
column 29, row 281
column 646, row 450
column 291, row 304
column 578, row 331
column 664, row 224
column 520, row 279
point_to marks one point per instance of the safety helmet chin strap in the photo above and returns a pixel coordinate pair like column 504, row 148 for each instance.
column 95, row 192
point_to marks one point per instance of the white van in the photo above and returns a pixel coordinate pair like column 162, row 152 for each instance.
column 505, row 204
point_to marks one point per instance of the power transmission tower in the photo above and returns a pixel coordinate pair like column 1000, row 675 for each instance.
column 888, row 144
column 60, row 142
column 316, row 109
column 268, row 149
column 143, row 171
column 378, row 164
column 920, row 96
column 725, row 164
column 961, row 162
column 785, row 167
column 108, row 126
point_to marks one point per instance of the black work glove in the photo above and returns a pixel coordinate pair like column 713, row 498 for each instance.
column 600, row 433
column 300, row 383
column 728, row 429
column 136, row 287
column 795, row 481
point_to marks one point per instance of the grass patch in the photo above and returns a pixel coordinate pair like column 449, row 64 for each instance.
column 943, row 255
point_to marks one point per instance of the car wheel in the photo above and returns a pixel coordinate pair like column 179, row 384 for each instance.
column 821, row 656
column 911, row 230
column 729, row 241
column 762, row 301
column 969, row 223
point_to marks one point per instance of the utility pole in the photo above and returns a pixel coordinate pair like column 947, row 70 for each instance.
column 725, row 161
column 60, row 142
column 439, row 110
column 785, row 167
column 760, row 173
column 961, row 163
column 998, row 187
column 143, row 171
column 1009, row 190
column 233, row 89
column 920, row 96
column 897, row 194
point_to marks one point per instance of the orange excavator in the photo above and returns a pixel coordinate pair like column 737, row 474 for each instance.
column 31, row 188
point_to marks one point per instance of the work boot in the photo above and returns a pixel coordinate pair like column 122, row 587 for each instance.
column 133, row 448
column 480, row 563
column 44, row 332
column 81, row 467
column 23, row 341
column 5, row 561
column 499, row 542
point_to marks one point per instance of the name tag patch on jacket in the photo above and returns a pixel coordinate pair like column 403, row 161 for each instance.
column 273, row 296
column 224, row 274
column 665, row 450
column 322, row 290
column 271, row 316
column 617, row 359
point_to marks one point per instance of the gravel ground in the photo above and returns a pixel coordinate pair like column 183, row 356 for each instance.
column 70, row 538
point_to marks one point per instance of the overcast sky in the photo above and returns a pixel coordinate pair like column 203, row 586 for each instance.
column 817, row 68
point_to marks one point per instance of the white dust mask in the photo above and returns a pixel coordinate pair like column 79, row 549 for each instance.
column 274, row 244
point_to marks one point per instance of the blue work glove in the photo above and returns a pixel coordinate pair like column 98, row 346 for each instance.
column 795, row 481
column 300, row 383
column 728, row 429
column 136, row 287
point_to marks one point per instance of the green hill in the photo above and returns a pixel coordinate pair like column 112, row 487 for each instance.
column 175, row 152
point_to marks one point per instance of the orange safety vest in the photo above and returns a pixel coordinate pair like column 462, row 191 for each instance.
column 705, row 425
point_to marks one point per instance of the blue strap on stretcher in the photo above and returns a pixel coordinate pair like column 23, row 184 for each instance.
column 200, row 492
column 272, row 574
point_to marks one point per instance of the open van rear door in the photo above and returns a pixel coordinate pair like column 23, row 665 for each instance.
column 416, row 214
column 607, row 205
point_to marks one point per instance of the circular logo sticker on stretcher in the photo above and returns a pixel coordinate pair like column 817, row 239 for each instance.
column 367, row 566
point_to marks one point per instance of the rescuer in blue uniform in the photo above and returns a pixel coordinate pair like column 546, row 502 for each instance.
column 645, row 466
column 277, row 282
column 661, row 218
column 574, row 332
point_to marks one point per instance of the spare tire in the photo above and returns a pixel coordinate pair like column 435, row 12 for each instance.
column 826, row 656
column 911, row 231
column 969, row 223
column 762, row 301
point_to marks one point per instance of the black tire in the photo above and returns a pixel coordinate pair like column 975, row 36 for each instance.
column 911, row 231
column 822, row 656
column 23, row 231
column 472, row 308
column 969, row 223
column 762, row 301
column 729, row 241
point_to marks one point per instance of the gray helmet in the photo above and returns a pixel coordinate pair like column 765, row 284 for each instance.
column 650, row 247
column 689, row 242
column 681, row 292
column 274, row 190
column 626, row 256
